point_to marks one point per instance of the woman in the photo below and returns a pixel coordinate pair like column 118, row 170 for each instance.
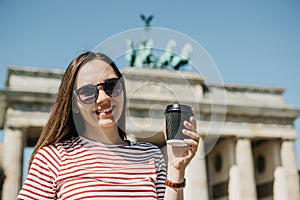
column 83, row 152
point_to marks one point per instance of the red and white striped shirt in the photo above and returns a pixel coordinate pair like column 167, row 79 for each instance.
column 83, row 169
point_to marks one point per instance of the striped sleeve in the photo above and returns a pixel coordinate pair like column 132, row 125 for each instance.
column 161, row 177
column 40, row 181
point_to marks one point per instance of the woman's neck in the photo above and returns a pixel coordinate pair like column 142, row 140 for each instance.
column 107, row 135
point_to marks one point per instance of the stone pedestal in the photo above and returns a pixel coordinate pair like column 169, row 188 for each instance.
column 12, row 163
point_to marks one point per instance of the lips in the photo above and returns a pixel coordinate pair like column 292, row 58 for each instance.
column 105, row 110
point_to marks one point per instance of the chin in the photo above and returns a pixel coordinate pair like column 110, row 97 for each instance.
column 107, row 123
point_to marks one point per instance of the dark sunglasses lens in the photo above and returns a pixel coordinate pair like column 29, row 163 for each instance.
column 113, row 87
column 87, row 94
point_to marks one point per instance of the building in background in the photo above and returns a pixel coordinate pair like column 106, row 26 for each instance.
column 254, row 157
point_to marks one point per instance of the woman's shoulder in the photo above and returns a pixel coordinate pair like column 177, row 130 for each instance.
column 69, row 143
column 68, row 146
column 58, row 148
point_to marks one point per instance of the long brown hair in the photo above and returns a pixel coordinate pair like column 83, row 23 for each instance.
column 61, row 124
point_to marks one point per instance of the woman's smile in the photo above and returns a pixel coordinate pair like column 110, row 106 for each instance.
column 105, row 110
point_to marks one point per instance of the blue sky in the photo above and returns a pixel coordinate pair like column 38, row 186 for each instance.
column 252, row 42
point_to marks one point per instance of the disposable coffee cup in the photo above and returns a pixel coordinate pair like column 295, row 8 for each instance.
column 175, row 115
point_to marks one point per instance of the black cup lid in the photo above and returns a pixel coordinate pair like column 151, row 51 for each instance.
column 178, row 107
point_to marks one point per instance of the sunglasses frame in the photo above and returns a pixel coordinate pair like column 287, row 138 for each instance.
column 76, row 92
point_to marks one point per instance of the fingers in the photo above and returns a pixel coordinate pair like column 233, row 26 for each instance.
column 191, row 125
column 193, row 135
column 191, row 142
column 191, row 129
column 193, row 121
column 192, row 149
column 191, row 132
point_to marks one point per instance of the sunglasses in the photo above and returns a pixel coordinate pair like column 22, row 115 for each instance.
column 89, row 93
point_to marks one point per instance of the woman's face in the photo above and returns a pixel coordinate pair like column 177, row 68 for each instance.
column 106, row 110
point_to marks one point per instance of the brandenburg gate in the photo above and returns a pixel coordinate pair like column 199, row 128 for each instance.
column 253, row 158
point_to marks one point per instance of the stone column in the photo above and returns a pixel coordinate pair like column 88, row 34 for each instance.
column 196, row 186
column 288, row 161
column 12, row 163
column 244, row 161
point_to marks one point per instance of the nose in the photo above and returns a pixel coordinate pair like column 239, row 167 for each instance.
column 102, row 96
